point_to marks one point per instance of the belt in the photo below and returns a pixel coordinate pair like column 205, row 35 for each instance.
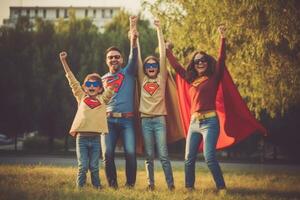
column 119, row 115
column 204, row 115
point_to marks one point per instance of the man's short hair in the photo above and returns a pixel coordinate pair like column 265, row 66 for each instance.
column 113, row 48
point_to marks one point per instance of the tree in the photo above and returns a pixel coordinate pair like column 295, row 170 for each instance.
column 263, row 44
column 263, row 50
column 15, row 62
column 37, row 94
column 116, row 33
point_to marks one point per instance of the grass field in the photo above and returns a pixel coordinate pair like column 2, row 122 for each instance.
column 35, row 182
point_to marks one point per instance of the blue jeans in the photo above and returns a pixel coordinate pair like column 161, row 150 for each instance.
column 154, row 131
column 124, row 128
column 88, row 152
column 208, row 129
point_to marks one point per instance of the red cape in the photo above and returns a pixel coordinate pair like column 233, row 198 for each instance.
column 236, row 120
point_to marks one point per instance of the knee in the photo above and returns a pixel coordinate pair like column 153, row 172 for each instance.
column 94, row 168
column 149, row 157
column 130, row 152
column 164, row 158
column 189, row 160
column 130, row 155
column 108, row 156
column 149, row 161
column 83, row 168
column 210, row 158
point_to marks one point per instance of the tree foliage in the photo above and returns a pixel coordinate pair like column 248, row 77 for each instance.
column 263, row 56
column 36, row 94
column 263, row 44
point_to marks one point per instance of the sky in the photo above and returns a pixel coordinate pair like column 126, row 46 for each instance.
column 133, row 6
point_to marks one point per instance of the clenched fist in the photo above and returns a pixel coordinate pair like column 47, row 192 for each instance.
column 222, row 30
column 63, row 55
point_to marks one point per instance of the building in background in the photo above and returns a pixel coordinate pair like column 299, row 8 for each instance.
column 99, row 15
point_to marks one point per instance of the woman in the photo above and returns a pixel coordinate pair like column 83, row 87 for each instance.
column 203, row 76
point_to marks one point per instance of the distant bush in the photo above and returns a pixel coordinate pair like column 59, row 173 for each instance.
column 41, row 143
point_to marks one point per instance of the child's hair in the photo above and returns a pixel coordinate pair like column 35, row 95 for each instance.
column 93, row 76
column 150, row 58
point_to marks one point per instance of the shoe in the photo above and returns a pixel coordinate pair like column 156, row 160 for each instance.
column 129, row 186
column 222, row 191
column 150, row 187
column 113, row 185
column 190, row 189
column 171, row 187
column 100, row 187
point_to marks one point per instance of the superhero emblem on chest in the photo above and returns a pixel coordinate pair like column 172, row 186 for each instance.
column 151, row 87
column 115, row 81
column 92, row 103
column 200, row 80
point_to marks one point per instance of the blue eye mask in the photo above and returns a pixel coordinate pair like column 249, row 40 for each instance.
column 95, row 84
column 151, row 65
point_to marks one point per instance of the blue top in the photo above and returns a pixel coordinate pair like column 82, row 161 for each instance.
column 123, row 98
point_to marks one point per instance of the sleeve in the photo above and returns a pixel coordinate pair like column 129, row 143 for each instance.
column 221, row 58
column 106, row 95
column 132, row 60
column 75, row 86
column 162, row 53
column 174, row 63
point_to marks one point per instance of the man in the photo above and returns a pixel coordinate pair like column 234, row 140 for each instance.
column 120, row 111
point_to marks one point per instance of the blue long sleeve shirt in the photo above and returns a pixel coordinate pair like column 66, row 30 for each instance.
column 123, row 99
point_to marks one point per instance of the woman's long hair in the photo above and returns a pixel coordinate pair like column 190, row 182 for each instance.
column 191, row 71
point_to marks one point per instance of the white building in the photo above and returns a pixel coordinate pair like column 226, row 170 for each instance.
column 98, row 15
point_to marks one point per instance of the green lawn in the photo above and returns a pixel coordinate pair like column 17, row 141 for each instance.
column 34, row 182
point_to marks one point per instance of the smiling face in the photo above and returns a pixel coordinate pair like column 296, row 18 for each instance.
column 151, row 68
column 200, row 64
column 114, row 60
column 92, row 87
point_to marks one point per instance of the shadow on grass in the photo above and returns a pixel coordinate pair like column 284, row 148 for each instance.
column 272, row 194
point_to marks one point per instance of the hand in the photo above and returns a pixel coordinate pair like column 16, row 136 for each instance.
column 222, row 30
column 63, row 55
column 169, row 45
column 113, row 86
column 157, row 23
column 133, row 22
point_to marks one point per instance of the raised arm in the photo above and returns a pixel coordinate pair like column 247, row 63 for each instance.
column 74, row 84
column 174, row 63
column 222, row 50
column 162, row 49
column 63, row 59
column 131, row 65
column 133, row 31
column 106, row 95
